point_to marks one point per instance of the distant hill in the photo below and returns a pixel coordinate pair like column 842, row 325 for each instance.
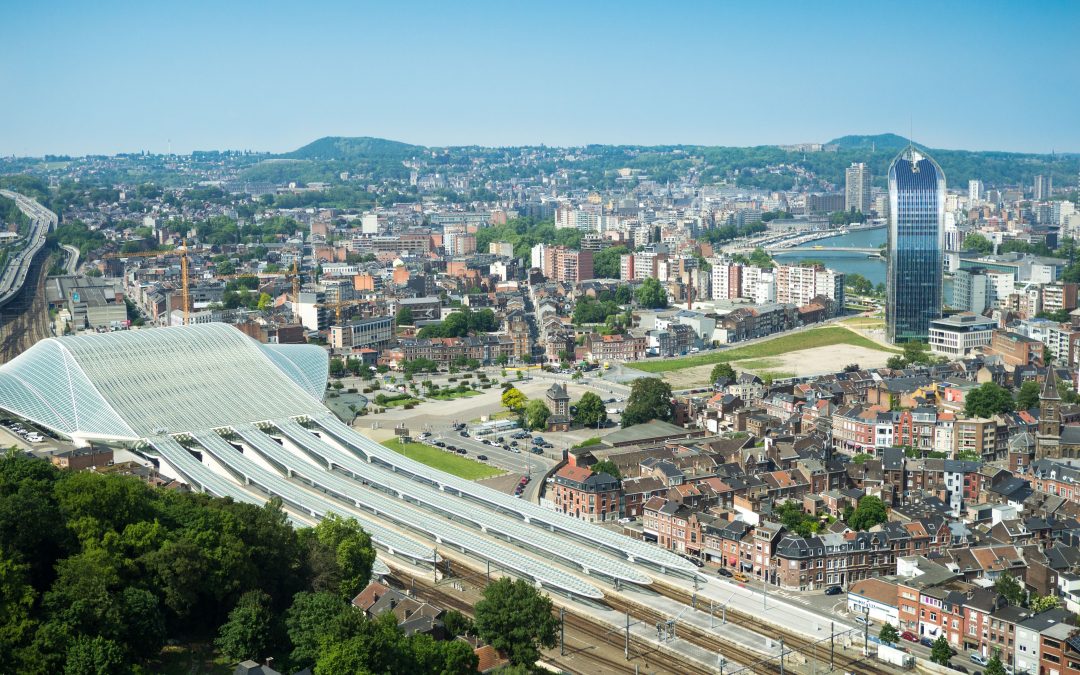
column 876, row 141
column 345, row 149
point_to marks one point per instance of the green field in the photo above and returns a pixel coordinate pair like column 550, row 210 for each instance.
column 444, row 461
column 818, row 337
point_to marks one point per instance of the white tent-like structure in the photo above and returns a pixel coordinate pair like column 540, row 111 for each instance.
column 131, row 385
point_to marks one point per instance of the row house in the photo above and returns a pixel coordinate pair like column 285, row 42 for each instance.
column 616, row 348
column 581, row 493
column 853, row 429
column 487, row 349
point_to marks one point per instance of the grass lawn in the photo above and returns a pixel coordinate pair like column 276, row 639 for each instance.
column 451, row 395
column 401, row 401
column 758, row 364
column 818, row 337
column 442, row 460
column 775, row 375
column 594, row 440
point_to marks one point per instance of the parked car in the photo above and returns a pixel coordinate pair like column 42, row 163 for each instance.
column 834, row 590
column 537, row 451
column 863, row 621
column 909, row 636
column 739, row 576
column 724, row 572
column 482, row 458
column 926, row 642
column 978, row 659
column 464, row 434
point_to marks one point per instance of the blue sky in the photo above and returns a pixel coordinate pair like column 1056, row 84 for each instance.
column 106, row 77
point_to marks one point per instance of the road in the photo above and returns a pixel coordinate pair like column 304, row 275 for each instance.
column 72, row 264
column 42, row 221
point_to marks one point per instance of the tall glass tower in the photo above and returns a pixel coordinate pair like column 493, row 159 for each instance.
column 916, row 241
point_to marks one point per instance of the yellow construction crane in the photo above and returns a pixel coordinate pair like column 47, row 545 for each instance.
column 183, row 253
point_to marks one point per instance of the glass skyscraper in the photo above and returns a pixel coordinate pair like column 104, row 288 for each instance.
column 916, row 241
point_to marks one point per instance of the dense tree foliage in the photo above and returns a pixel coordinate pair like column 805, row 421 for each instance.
column 607, row 264
column 1009, row 588
column 590, row 410
column 941, row 652
column 1028, row 396
column 461, row 323
column 404, row 316
column 589, row 310
column 524, row 233
column 96, row 571
column 987, row 400
column 651, row 294
column 650, row 399
column 889, row 634
column 536, row 414
column 513, row 399
column 607, row 466
column 722, row 370
column 977, row 242
column 794, row 518
column 515, row 617
column 869, row 512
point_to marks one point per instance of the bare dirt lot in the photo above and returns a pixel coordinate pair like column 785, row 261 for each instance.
column 816, row 361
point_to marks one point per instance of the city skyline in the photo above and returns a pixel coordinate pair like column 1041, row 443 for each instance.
column 113, row 78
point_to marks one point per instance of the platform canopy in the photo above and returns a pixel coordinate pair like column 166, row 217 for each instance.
column 128, row 385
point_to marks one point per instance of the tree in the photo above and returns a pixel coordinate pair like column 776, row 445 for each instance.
column 607, row 264
column 1009, row 588
column 941, row 652
column 888, row 633
column 350, row 549
column 513, row 399
column 994, row 666
column 515, row 617
column 607, row 466
column 896, row 362
column 536, row 414
column 246, row 635
column 590, row 410
column 650, row 399
column 1028, row 396
column 95, row 656
column 265, row 302
column 987, row 400
column 404, row 316
column 1042, row 603
column 761, row 258
column 457, row 624
column 977, row 242
column 869, row 512
column 651, row 294
column 721, row 371
column 308, row 619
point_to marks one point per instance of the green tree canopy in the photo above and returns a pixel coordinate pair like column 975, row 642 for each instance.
column 1009, row 588
column 977, row 242
column 607, row 466
column 607, row 263
column 515, row 617
column 246, row 635
column 590, row 410
column 888, row 633
column 536, row 414
column 1028, row 396
column 720, row 371
column 651, row 294
column 650, row 399
column 987, row 400
column 404, row 316
column 869, row 512
column 941, row 652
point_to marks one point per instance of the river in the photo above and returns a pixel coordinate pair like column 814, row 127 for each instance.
column 848, row 263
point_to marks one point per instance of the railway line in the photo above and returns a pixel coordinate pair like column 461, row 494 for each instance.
column 25, row 319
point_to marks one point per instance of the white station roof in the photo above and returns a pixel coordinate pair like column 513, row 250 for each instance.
column 128, row 385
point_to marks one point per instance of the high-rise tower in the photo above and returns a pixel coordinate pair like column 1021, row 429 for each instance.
column 916, row 242
column 857, row 188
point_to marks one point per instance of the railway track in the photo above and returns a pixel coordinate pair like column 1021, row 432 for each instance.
column 799, row 645
column 25, row 319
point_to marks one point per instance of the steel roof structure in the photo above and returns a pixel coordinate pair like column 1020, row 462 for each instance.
column 634, row 550
column 446, row 504
column 443, row 530
column 305, row 500
column 135, row 384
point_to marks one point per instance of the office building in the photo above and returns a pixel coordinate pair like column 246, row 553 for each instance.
column 1044, row 186
column 956, row 336
column 971, row 291
column 857, row 188
column 375, row 332
column 916, row 240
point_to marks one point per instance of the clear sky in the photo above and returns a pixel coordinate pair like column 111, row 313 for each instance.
column 106, row 77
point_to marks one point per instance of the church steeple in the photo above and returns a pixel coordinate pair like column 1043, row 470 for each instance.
column 1048, row 439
